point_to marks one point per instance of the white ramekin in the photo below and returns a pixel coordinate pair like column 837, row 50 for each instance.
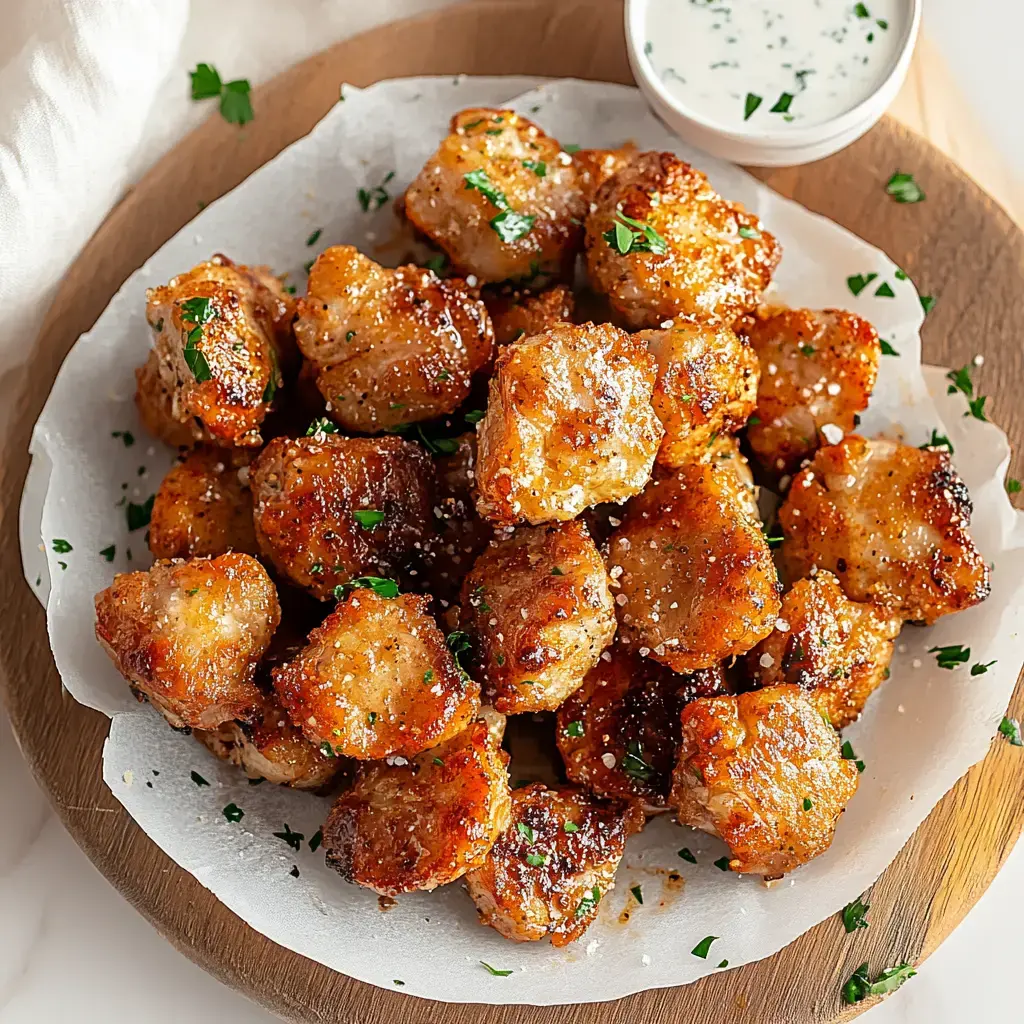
column 760, row 148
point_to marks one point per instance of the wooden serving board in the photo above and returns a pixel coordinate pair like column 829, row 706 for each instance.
column 958, row 246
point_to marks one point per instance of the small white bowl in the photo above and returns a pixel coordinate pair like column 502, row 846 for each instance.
column 761, row 148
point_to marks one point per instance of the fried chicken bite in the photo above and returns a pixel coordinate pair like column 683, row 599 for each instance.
column 516, row 314
column 595, row 166
column 618, row 732
column 835, row 649
column 724, row 452
column 539, row 606
column 203, row 506
column 221, row 333
column 330, row 508
column 377, row 679
column 408, row 825
column 696, row 579
column 890, row 521
column 545, row 878
column 662, row 243
column 707, row 386
column 390, row 346
column 188, row 635
column 500, row 198
column 764, row 771
column 818, row 370
column 569, row 424
column 270, row 747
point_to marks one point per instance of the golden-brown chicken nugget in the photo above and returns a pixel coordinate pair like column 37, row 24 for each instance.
column 891, row 522
column 203, row 506
column 219, row 338
column 418, row 824
column 501, row 198
column 188, row 635
column 696, row 579
column 549, row 870
column 818, row 370
column 835, row 649
column 516, row 314
column 595, row 166
column 377, row 679
column 569, row 424
column 390, row 346
column 540, row 609
column 764, row 771
column 662, row 243
column 330, row 508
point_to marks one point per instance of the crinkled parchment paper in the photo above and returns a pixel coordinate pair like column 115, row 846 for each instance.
column 921, row 732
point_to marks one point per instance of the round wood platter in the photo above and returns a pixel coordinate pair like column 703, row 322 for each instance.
column 958, row 246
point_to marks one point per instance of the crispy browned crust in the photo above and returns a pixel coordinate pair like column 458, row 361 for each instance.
column 569, row 424
column 426, row 822
column 390, row 346
column 540, row 609
column 527, row 902
column 835, row 649
column 595, row 166
column 376, row 679
column 517, row 314
column 307, row 491
column 764, row 771
column 696, row 579
column 458, row 219
column 710, row 271
column 805, row 356
column 188, row 635
column 890, row 521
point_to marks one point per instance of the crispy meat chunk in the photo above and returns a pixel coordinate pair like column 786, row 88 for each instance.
column 618, row 732
column 695, row 254
column 817, row 372
column 220, row 334
column 270, row 747
column 423, row 823
column 500, row 197
column 837, row 650
column 189, row 635
column 541, row 878
column 595, row 166
column 764, row 771
column 891, row 522
column 204, row 506
column 516, row 314
column 539, row 606
column 697, row 581
column 390, row 346
column 377, row 679
column 707, row 386
column 569, row 424
column 330, row 508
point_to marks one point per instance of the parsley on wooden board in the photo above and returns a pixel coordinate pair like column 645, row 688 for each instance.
column 853, row 915
column 860, row 986
column 1010, row 728
column 904, row 189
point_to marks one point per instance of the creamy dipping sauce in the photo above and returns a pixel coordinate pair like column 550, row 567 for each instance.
column 768, row 65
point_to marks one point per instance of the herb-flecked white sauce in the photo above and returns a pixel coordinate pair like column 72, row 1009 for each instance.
column 769, row 64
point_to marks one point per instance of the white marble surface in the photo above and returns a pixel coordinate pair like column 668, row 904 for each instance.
column 72, row 948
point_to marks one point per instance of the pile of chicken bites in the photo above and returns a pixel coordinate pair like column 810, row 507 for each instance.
column 414, row 502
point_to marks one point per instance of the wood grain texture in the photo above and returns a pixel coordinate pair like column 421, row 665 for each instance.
column 958, row 246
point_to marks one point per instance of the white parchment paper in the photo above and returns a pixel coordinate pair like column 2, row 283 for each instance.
column 923, row 729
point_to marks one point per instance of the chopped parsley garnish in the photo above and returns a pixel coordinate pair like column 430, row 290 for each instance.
column 884, row 291
column 495, row 971
column 317, row 569
column 371, row 199
column 528, row 833
column 198, row 779
column 904, row 189
column 574, row 729
column 807, row 350
column 861, row 11
column 315, row 840
column 748, row 232
column 368, row 518
column 271, row 389
column 979, row 669
column 633, row 763
column 1010, row 728
column 294, row 871
column 371, row 718
column 194, row 314
column 458, row 643
column 927, row 303
column 536, row 860
column 61, row 546
column 951, row 656
column 782, row 103
column 326, row 749
column 627, row 235
column 126, row 436
column 108, row 553
column 853, row 915
column 887, row 349
column 1013, row 486
column 722, row 863
column 378, row 584
column 139, row 515
column 687, row 855
column 938, row 440
column 571, row 147
column 589, row 902
column 750, row 104
column 321, row 426
column 860, row 985
column 960, row 380
column 312, row 240
column 397, row 981
column 508, row 225
column 849, row 755
column 858, row 282
column 638, row 893
column 808, row 804
column 704, row 947
column 293, row 839
column 474, row 415
column 233, row 812
column 537, row 166
column 307, row 267
column 438, row 761
column 428, row 676
column 235, row 105
column 436, row 263
column 724, row 963
column 570, row 827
